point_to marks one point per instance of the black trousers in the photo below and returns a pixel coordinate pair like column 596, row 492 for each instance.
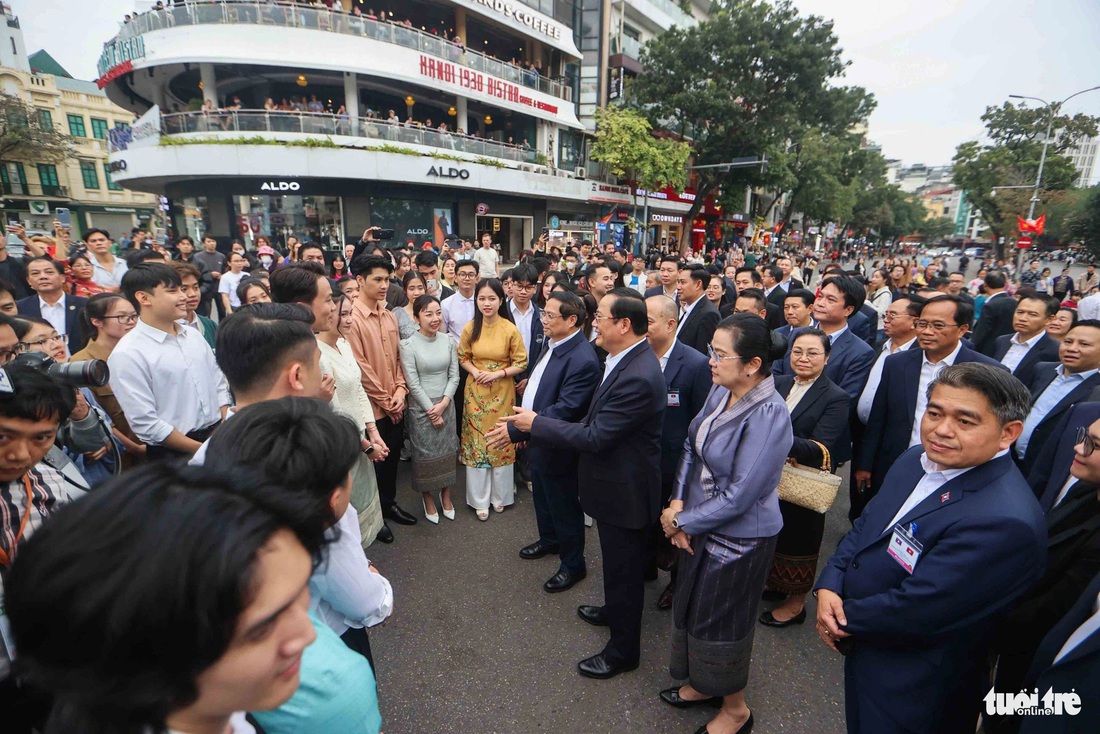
column 624, row 559
column 157, row 452
column 393, row 435
column 559, row 515
column 460, row 401
column 359, row 640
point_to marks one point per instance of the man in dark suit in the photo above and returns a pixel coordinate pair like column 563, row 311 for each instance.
column 997, row 314
column 666, row 276
column 1069, row 660
column 797, row 311
column 1030, row 344
column 562, row 380
column 699, row 317
column 619, row 441
column 747, row 278
column 954, row 538
column 1050, row 478
column 851, row 358
column 1059, row 386
column 47, row 279
column 770, row 277
column 427, row 264
column 788, row 282
column 894, row 423
column 688, row 382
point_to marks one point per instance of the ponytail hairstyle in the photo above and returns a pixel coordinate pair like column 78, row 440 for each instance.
column 98, row 307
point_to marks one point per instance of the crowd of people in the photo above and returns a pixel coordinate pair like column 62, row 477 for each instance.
column 242, row 455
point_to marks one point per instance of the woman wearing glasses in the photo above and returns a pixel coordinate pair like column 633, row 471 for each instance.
column 107, row 318
column 724, row 518
column 819, row 416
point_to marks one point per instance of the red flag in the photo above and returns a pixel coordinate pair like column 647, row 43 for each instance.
column 1035, row 226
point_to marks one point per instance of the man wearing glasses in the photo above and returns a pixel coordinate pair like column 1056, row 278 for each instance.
column 458, row 310
column 902, row 396
column 46, row 278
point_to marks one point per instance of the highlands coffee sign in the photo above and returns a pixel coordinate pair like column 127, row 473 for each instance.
column 518, row 14
column 117, row 59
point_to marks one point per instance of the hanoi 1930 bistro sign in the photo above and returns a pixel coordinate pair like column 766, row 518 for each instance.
column 475, row 81
column 118, row 59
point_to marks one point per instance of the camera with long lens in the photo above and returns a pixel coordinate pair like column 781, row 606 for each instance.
column 88, row 373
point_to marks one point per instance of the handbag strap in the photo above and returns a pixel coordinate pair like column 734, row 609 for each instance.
column 827, row 466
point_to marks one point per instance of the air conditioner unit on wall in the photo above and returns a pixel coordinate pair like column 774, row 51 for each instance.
column 581, row 172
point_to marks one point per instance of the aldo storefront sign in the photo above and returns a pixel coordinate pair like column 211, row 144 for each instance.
column 280, row 186
column 441, row 172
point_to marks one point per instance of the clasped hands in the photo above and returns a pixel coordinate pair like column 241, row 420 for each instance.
column 676, row 536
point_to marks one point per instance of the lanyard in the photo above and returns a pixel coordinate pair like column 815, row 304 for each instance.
column 4, row 558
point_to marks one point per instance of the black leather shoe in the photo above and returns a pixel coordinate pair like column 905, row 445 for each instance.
column 773, row 596
column 664, row 601
column 768, row 620
column 671, row 696
column 745, row 728
column 563, row 581
column 600, row 667
column 650, row 573
column 399, row 516
column 538, row 549
column 592, row 615
column 385, row 535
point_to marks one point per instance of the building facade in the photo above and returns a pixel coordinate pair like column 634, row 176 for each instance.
column 32, row 190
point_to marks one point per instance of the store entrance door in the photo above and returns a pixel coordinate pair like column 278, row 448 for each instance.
column 512, row 233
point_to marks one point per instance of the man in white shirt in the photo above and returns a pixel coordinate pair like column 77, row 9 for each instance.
column 486, row 257
column 899, row 323
column 107, row 268
column 636, row 278
column 458, row 309
column 1089, row 307
column 163, row 373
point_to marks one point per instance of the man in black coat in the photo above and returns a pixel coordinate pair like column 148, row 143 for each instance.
column 688, row 382
column 747, row 278
column 1030, row 344
column 699, row 317
column 50, row 302
column 619, row 472
column 997, row 314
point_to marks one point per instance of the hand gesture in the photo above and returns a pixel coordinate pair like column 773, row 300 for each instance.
column 522, row 420
column 485, row 378
column 682, row 541
column 498, row 438
column 830, row 618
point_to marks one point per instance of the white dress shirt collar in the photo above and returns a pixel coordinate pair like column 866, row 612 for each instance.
column 934, row 478
column 613, row 362
column 555, row 344
column 663, row 359
column 948, row 360
column 1029, row 343
column 902, row 348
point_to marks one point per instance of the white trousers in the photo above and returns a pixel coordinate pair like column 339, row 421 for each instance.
column 494, row 486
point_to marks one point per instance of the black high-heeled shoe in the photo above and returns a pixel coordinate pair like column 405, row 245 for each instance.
column 672, row 697
column 768, row 620
column 745, row 728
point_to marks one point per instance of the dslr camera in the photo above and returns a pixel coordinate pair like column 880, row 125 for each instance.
column 89, row 373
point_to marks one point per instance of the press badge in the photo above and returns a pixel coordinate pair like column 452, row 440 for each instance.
column 904, row 548
column 673, row 398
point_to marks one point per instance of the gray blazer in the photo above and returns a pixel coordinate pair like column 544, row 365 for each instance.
column 745, row 456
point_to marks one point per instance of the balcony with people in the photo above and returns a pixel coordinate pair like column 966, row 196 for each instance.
column 432, row 28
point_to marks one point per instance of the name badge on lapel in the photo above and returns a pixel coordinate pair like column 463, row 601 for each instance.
column 904, row 547
column 673, row 398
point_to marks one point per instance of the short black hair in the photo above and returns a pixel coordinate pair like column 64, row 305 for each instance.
column 775, row 271
column 146, row 278
column 295, row 442
column 826, row 342
column 570, row 304
column 525, row 273
column 95, row 230
column 995, row 279
column 423, row 302
column 629, row 304
column 364, row 265
column 670, row 259
column 806, row 296
column 1090, row 323
column 47, row 259
column 36, row 396
column 699, row 274
column 426, row 259
column 295, row 284
column 937, row 282
column 256, row 341
column 6, row 287
column 468, row 264
column 310, row 246
column 855, row 295
column 1049, row 302
column 755, row 276
column 757, row 296
column 134, row 258
column 1007, row 397
column 964, row 310
column 250, row 282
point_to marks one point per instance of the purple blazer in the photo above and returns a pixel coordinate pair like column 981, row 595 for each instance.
column 745, row 457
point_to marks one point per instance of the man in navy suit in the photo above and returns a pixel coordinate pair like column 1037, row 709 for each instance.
column 851, row 358
column 997, row 313
column 560, row 386
column 894, row 423
column 954, row 538
column 1030, row 344
column 666, row 275
column 50, row 302
column 619, row 441
column 700, row 317
column 746, row 279
column 1050, row 476
column 1057, row 387
column 688, row 382
column 1069, row 660
column 797, row 311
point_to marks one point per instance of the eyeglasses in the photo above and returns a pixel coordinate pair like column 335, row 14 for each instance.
column 7, row 355
column 892, row 316
column 63, row 338
column 126, row 318
column 598, row 318
column 718, row 359
column 812, row 353
column 466, row 274
column 934, row 325
column 1084, row 440
column 524, row 286
column 547, row 316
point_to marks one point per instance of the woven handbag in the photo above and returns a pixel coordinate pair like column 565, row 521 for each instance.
column 814, row 489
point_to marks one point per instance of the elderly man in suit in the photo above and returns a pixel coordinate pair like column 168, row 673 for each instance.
column 560, row 386
column 47, row 279
column 1030, row 344
column 687, row 379
column 619, row 441
column 954, row 538
column 894, row 424
column 1058, row 386
column 699, row 317
column 851, row 358
column 997, row 313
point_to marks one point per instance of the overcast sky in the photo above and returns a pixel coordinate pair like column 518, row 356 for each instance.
column 933, row 65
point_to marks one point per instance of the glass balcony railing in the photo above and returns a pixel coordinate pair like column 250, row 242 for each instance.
column 289, row 15
column 631, row 47
column 309, row 123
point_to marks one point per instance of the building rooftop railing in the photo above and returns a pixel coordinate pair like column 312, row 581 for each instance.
column 291, row 15
column 312, row 123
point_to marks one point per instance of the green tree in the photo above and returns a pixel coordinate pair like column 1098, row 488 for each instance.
column 743, row 84
column 1010, row 157
column 1083, row 221
column 23, row 137
column 934, row 229
column 626, row 146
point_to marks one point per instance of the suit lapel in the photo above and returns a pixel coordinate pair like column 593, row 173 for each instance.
column 605, row 385
column 952, row 490
column 675, row 362
column 1046, row 378
column 812, row 396
column 911, row 371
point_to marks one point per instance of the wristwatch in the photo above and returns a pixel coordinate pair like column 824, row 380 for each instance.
column 676, row 520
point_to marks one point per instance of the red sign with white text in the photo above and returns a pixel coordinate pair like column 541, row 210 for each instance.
column 475, row 81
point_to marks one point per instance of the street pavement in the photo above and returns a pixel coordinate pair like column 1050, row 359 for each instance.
column 475, row 646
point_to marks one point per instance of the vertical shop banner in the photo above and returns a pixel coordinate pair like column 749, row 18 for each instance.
column 443, row 228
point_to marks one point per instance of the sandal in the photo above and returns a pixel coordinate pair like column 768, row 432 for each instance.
column 483, row 515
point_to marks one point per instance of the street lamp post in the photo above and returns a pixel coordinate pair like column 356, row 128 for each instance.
column 1051, row 110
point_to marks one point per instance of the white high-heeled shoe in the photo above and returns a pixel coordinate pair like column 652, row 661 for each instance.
column 433, row 518
column 449, row 514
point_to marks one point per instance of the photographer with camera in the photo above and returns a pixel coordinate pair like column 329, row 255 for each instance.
column 86, row 437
